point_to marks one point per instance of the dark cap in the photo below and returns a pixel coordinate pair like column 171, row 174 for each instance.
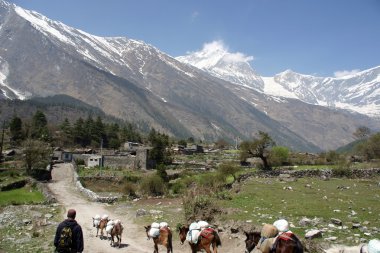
column 71, row 213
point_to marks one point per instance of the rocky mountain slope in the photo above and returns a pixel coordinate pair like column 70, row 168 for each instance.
column 136, row 82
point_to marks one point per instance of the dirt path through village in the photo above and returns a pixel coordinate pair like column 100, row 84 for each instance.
column 133, row 238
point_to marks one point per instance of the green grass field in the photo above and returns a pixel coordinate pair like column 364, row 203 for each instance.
column 24, row 195
column 264, row 200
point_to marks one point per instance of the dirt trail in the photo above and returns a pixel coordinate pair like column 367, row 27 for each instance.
column 133, row 238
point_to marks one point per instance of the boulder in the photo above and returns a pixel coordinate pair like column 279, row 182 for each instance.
column 313, row 234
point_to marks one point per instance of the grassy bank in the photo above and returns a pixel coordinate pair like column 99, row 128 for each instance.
column 264, row 200
column 25, row 195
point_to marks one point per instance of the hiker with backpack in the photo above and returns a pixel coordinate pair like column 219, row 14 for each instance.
column 69, row 236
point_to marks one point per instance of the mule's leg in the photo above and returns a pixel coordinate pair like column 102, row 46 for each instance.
column 155, row 248
column 97, row 231
column 206, row 246
column 168, row 247
column 214, row 247
column 193, row 248
column 170, row 244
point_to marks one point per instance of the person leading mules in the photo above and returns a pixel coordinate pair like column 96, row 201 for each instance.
column 268, row 235
column 277, row 238
column 286, row 241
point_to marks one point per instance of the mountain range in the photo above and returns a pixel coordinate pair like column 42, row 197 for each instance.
column 358, row 92
column 137, row 82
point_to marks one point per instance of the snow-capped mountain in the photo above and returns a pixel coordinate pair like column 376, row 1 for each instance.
column 358, row 92
column 233, row 67
column 134, row 81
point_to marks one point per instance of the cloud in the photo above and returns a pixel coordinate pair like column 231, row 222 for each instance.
column 342, row 73
column 238, row 57
column 216, row 45
column 219, row 45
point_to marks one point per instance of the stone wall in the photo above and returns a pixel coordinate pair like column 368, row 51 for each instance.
column 323, row 173
column 117, row 162
column 88, row 193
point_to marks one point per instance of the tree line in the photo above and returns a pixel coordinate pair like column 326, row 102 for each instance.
column 37, row 134
column 87, row 132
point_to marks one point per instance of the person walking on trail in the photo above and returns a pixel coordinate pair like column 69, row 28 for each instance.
column 69, row 237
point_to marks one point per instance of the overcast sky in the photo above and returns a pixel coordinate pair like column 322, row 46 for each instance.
column 318, row 37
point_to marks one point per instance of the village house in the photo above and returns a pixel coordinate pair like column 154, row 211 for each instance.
column 93, row 161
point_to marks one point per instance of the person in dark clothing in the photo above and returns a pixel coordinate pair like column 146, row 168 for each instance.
column 73, row 244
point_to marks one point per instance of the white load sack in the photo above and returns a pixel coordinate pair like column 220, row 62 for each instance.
column 203, row 224
column 105, row 217
column 109, row 226
column 374, row 246
column 164, row 224
column 96, row 223
column 96, row 220
column 281, row 225
column 154, row 232
column 194, row 232
column 155, row 225
column 194, row 226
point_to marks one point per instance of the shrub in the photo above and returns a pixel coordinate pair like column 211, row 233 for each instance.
column 153, row 185
column 129, row 189
column 223, row 195
column 199, row 205
column 178, row 187
column 161, row 172
column 228, row 169
column 278, row 155
column 79, row 161
column 131, row 178
column 212, row 182
column 343, row 169
column 188, row 181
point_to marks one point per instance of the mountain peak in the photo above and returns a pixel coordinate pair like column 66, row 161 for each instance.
column 216, row 59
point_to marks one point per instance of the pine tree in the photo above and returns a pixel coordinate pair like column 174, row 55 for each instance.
column 15, row 128
column 39, row 129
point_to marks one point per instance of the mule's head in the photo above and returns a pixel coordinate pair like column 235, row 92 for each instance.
column 95, row 222
column 147, row 229
column 182, row 230
column 251, row 241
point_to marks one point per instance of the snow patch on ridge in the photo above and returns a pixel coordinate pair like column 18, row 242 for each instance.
column 4, row 71
column 42, row 24
column 271, row 87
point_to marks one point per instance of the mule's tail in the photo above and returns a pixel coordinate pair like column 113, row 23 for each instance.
column 217, row 239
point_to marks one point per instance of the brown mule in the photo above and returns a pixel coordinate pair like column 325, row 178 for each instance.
column 208, row 237
column 165, row 239
column 101, row 226
column 287, row 243
column 251, row 241
column 116, row 231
